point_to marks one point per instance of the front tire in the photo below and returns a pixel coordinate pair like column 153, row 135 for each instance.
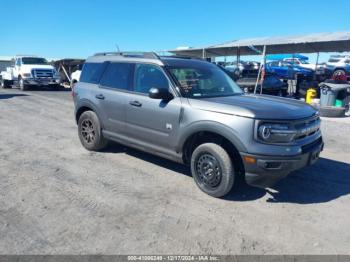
column 212, row 169
column 90, row 132
column 21, row 84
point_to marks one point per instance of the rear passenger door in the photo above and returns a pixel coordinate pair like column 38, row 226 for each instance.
column 152, row 122
column 115, row 84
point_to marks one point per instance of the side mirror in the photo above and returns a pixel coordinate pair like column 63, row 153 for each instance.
column 160, row 93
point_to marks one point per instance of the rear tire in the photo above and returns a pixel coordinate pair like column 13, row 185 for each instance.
column 90, row 132
column 212, row 169
column 5, row 84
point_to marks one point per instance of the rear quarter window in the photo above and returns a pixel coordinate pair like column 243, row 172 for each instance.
column 92, row 72
column 118, row 75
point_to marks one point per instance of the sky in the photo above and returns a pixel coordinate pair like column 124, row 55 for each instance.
column 79, row 28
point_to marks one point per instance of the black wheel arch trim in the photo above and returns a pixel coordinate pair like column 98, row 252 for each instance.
column 214, row 127
column 87, row 103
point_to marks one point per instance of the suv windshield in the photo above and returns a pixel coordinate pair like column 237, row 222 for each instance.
column 204, row 80
column 34, row 61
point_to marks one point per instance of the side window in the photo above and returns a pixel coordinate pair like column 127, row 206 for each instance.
column 148, row 76
column 117, row 75
column 18, row 62
column 92, row 72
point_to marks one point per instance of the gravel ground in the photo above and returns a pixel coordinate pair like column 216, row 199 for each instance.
column 58, row 198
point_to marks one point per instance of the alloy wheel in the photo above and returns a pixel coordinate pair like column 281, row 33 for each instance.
column 88, row 131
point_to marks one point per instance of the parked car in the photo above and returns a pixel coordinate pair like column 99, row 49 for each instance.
column 232, row 71
column 286, row 70
column 338, row 64
column 305, row 64
column 192, row 112
column 245, row 68
column 30, row 71
column 271, row 85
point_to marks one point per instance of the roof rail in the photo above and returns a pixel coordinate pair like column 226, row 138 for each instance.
column 179, row 56
column 150, row 55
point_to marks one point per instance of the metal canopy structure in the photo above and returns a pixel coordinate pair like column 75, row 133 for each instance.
column 312, row 43
column 66, row 66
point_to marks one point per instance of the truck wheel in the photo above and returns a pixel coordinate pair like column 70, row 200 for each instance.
column 90, row 132
column 21, row 84
column 5, row 83
column 212, row 169
column 338, row 72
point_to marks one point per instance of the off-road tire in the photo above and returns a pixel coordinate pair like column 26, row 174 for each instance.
column 224, row 162
column 90, row 132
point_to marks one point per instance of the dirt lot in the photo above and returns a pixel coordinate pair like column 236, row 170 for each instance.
column 58, row 198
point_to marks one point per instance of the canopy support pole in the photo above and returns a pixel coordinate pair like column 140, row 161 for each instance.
column 318, row 55
column 262, row 64
column 65, row 72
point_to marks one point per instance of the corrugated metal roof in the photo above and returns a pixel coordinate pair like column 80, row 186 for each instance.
column 311, row 43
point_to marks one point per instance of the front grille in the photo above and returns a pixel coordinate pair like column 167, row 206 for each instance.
column 42, row 73
column 307, row 127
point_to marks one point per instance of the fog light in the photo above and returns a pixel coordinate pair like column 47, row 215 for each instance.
column 249, row 160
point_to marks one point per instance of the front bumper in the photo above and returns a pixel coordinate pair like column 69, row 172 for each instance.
column 267, row 170
column 41, row 81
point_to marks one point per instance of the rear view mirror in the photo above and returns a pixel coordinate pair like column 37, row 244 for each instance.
column 160, row 93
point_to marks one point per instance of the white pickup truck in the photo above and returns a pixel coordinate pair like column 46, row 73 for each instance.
column 30, row 71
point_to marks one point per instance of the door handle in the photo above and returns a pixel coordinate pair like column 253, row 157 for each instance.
column 100, row 96
column 135, row 103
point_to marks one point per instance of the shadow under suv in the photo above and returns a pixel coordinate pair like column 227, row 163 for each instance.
column 192, row 112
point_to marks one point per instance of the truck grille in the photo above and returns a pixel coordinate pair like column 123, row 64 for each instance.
column 42, row 73
column 307, row 127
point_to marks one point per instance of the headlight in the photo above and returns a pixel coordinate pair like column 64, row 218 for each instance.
column 275, row 133
column 27, row 75
column 55, row 73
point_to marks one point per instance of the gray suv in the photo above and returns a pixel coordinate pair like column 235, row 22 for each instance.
column 190, row 111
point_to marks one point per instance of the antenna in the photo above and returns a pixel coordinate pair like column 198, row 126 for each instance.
column 117, row 46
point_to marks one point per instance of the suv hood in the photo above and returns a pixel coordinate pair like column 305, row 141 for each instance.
column 256, row 106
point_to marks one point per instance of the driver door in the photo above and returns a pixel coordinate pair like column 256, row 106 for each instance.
column 153, row 122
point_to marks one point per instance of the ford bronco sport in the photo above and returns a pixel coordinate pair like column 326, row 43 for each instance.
column 190, row 111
